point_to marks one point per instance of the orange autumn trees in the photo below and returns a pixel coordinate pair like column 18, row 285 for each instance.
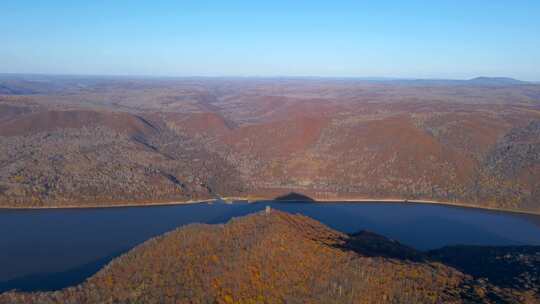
column 277, row 257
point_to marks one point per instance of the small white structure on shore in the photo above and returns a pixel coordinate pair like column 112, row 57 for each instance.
column 267, row 209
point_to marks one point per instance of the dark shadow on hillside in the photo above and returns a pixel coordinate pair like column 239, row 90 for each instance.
column 369, row 244
column 294, row 197
column 59, row 280
column 431, row 232
column 505, row 266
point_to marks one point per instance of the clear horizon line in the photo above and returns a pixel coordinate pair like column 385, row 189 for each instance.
column 148, row 76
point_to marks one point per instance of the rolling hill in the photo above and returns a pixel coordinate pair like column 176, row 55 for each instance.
column 101, row 141
column 276, row 257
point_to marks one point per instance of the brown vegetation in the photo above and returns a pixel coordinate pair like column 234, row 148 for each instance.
column 101, row 141
column 275, row 257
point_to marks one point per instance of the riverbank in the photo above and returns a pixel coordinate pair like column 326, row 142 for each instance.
column 390, row 200
column 253, row 199
column 109, row 205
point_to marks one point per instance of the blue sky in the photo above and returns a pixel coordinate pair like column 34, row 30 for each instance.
column 412, row 39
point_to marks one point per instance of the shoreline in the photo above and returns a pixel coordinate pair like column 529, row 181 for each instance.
column 253, row 199
column 399, row 201
column 439, row 203
column 111, row 205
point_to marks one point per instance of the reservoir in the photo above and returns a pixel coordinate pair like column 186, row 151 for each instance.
column 51, row 249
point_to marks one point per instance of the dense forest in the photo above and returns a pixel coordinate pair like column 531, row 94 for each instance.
column 277, row 257
column 75, row 141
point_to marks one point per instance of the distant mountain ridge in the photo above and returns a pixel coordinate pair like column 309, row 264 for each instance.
column 477, row 81
column 47, row 84
column 482, row 80
column 102, row 141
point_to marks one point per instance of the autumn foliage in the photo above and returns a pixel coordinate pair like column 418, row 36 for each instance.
column 276, row 257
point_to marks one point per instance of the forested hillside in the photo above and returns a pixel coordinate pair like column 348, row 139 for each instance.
column 276, row 257
column 76, row 141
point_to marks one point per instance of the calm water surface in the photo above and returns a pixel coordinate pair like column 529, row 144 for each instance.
column 52, row 249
